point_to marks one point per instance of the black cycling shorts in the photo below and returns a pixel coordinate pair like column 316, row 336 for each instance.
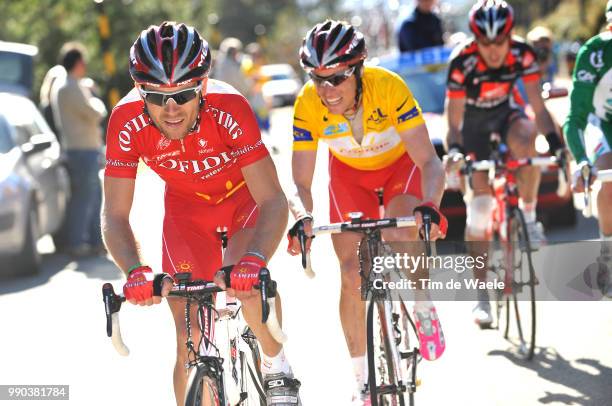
column 479, row 124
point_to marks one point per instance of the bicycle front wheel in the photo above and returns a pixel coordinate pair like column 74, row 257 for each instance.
column 202, row 390
column 250, row 364
column 384, row 376
column 523, row 288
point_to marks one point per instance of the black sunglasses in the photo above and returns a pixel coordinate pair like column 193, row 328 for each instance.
column 333, row 80
column 180, row 97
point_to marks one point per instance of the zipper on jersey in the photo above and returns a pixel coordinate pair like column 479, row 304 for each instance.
column 182, row 145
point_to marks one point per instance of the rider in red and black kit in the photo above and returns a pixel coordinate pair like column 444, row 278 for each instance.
column 480, row 101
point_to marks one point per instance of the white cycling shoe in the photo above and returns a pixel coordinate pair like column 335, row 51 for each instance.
column 482, row 315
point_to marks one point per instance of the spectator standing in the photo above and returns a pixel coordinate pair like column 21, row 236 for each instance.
column 51, row 76
column 77, row 115
column 229, row 67
column 541, row 39
column 421, row 29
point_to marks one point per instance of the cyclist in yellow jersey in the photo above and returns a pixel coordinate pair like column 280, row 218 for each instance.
column 377, row 139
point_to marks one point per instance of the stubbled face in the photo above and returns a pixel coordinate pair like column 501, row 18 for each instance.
column 494, row 53
column 174, row 120
column 337, row 99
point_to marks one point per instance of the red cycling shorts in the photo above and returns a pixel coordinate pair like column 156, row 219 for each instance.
column 354, row 190
column 190, row 241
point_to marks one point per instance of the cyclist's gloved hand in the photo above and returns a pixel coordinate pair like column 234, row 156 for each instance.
column 436, row 216
column 143, row 287
column 293, row 243
column 245, row 274
column 454, row 158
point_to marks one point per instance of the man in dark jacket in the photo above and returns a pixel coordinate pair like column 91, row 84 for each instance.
column 421, row 29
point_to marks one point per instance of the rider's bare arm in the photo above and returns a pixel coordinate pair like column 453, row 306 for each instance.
column 455, row 108
column 303, row 166
column 116, row 229
column 263, row 185
column 544, row 120
column 423, row 154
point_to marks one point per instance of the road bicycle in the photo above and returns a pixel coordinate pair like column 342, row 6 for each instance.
column 515, row 266
column 392, row 347
column 225, row 364
column 602, row 263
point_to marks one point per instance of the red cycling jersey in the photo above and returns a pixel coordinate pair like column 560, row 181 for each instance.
column 205, row 165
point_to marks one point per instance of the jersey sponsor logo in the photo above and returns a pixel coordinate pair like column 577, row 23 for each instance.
column 585, row 76
column 335, row 129
column 116, row 163
column 132, row 126
column 494, row 90
column 377, row 116
column 596, row 59
column 457, row 76
column 163, row 156
column 226, row 120
column 528, row 59
column 163, row 143
column 409, row 115
column 299, row 134
column 196, row 166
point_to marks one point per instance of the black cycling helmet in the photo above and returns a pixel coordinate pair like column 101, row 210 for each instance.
column 170, row 54
column 331, row 44
column 491, row 19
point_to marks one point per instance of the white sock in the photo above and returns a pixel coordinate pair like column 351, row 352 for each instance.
column 422, row 300
column 360, row 370
column 275, row 364
column 529, row 210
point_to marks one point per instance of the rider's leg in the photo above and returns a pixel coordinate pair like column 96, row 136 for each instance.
column 521, row 141
column 352, row 307
column 604, row 198
column 272, row 353
column 479, row 207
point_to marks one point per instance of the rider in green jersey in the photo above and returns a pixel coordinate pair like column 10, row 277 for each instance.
column 588, row 128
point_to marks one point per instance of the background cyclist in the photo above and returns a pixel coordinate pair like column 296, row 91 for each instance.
column 201, row 138
column 588, row 128
column 482, row 74
column 377, row 138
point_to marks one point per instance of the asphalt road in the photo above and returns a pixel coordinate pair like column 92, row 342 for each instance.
column 53, row 329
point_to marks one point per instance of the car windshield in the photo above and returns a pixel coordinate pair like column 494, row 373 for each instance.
column 428, row 88
column 6, row 142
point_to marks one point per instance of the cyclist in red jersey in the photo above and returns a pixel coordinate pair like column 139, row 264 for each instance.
column 481, row 79
column 201, row 137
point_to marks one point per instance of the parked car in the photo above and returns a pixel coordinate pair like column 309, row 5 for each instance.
column 282, row 84
column 34, row 184
column 17, row 68
column 425, row 72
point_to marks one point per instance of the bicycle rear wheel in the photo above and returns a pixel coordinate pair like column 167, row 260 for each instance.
column 523, row 288
column 203, row 390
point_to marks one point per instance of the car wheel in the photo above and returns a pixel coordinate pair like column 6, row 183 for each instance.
column 28, row 261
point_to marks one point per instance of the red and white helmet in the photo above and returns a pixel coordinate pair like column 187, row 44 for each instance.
column 170, row 54
column 491, row 19
column 331, row 44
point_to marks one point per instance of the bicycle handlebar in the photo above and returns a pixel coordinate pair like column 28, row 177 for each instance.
column 363, row 225
column 266, row 286
column 587, row 172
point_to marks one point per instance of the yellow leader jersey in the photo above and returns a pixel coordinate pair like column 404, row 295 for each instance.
column 388, row 109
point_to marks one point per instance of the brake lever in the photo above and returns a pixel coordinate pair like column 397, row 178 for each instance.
column 426, row 233
column 112, row 304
